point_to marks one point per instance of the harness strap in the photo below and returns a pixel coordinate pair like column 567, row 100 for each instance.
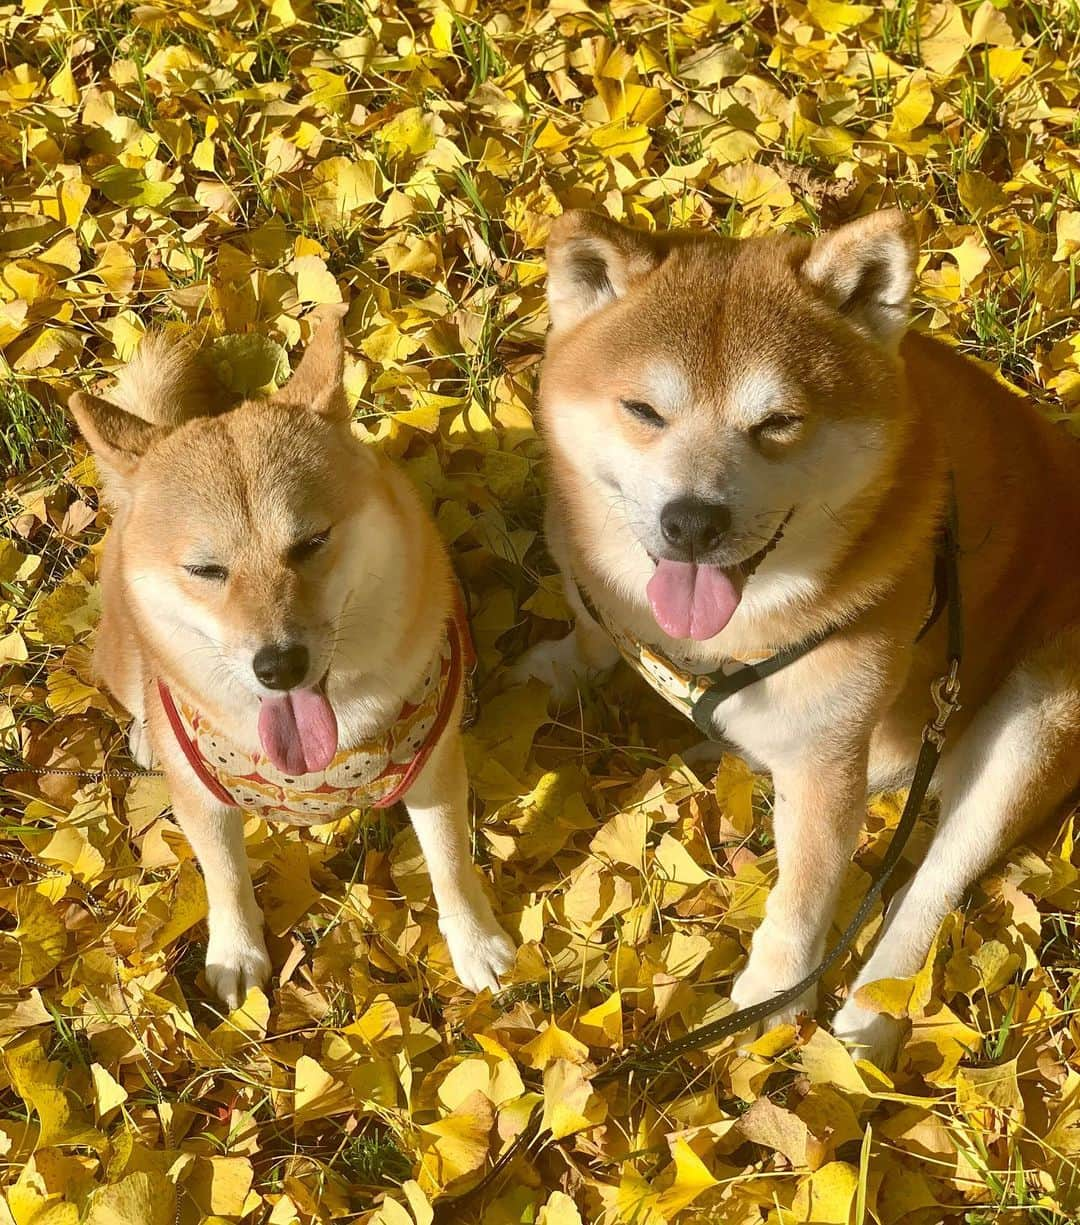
column 461, row 651
column 190, row 749
column 722, row 686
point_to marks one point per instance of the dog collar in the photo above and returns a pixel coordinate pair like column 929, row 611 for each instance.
column 374, row 774
column 697, row 695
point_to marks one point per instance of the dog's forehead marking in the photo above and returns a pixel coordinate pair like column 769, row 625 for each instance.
column 754, row 394
column 668, row 385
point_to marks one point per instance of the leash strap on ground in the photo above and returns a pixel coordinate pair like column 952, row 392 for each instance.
column 945, row 693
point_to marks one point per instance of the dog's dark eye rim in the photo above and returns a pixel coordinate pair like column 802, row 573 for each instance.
column 643, row 411
column 215, row 573
column 303, row 549
column 777, row 423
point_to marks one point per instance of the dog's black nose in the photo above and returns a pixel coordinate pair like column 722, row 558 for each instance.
column 693, row 527
column 281, row 667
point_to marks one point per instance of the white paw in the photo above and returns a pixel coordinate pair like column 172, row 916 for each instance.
column 704, row 757
column 138, row 739
column 873, row 1036
column 479, row 949
column 761, row 980
column 236, row 960
column 773, row 967
column 557, row 664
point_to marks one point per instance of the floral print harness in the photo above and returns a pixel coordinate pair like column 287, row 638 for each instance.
column 374, row 774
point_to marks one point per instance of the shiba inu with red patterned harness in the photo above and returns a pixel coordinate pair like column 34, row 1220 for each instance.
column 281, row 620
column 751, row 462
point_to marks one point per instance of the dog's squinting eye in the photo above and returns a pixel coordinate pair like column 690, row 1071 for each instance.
column 643, row 412
column 215, row 574
column 778, row 426
column 304, row 549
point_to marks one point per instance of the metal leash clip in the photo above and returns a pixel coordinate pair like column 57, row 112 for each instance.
column 946, row 693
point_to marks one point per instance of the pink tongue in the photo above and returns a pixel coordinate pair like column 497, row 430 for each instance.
column 692, row 601
column 298, row 731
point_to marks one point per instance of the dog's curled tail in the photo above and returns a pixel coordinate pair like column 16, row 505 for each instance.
column 167, row 382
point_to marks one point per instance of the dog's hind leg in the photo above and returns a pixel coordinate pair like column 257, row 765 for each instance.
column 236, row 957
column 567, row 664
column 118, row 662
column 438, row 808
column 1016, row 763
column 704, row 757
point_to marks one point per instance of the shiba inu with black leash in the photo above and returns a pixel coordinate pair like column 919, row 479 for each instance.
column 281, row 620
column 750, row 463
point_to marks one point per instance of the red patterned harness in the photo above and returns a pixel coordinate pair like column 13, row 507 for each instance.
column 374, row 774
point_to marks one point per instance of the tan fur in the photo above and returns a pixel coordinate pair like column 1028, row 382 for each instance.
column 816, row 330
column 242, row 488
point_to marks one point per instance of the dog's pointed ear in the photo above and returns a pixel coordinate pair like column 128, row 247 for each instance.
column 118, row 439
column 317, row 382
column 591, row 261
column 866, row 270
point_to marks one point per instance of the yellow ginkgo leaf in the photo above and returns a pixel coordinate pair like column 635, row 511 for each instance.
column 692, row 1178
column 40, row 936
column 943, row 36
column 173, row 909
column 833, row 17
column 138, row 1199
column 220, row 1185
column 914, row 102
column 317, row 1092
column 781, row 1131
column 108, row 1092
column 553, row 1043
column 827, row 1061
column 603, row 1024
column 826, row 1196
column 37, row 1080
column 379, row 1023
column 570, row 1103
column 677, row 869
column 314, row 281
column 622, row 839
column 989, row 25
column 456, row 1145
column 559, row 1209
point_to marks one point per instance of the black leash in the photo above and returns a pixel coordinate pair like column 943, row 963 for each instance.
column 945, row 692
column 722, row 686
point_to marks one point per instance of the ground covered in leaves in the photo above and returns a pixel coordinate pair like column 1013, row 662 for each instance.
column 229, row 166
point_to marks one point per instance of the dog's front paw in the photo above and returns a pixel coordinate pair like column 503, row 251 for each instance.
column 558, row 664
column 873, row 1036
column 479, row 949
column 236, row 961
column 773, row 967
column 753, row 986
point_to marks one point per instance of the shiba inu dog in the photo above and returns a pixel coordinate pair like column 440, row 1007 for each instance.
column 279, row 618
column 749, row 452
